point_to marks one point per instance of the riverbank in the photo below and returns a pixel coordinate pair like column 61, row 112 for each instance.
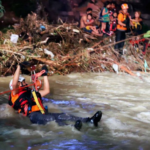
column 65, row 48
column 75, row 51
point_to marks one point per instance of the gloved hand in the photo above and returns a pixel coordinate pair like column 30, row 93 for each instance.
column 24, row 67
column 24, row 64
column 46, row 70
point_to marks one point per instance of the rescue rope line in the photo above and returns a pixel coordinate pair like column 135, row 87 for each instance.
column 16, row 89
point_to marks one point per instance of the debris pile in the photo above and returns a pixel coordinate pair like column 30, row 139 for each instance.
column 65, row 48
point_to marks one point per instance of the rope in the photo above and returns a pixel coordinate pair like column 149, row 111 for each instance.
column 121, row 41
column 16, row 89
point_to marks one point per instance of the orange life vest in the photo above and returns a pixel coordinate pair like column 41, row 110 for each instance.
column 24, row 102
column 121, row 17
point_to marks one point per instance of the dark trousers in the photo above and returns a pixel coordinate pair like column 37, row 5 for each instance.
column 120, row 35
column 60, row 118
column 145, row 47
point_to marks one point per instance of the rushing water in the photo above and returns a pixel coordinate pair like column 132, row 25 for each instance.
column 123, row 99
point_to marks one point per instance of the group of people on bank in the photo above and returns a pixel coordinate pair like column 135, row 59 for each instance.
column 112, row 21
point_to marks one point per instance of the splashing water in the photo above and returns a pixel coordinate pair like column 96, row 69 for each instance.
column 123, row 99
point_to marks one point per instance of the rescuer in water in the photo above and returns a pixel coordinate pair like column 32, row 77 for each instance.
column 22, row 100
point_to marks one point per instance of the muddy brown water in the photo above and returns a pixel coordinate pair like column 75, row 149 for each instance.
column 123, row 99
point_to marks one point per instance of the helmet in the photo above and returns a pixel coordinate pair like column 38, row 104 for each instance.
column 124, row 6
column 20, row 80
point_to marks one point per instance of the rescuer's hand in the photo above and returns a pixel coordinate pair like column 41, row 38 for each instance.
column 46, row 70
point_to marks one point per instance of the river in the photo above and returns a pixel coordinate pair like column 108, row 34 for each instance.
column 123, row 99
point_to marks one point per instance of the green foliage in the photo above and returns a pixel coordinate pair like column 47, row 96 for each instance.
column 2, row 10
column 4, row 30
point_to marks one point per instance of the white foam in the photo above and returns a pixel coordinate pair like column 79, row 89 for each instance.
column 6, row 111
column 24, row 132
column 126, row 103
column 139, row 108
column 128, row 135
column 73, row 76
column 144, row 116
column 84, row 99
column 115, row 124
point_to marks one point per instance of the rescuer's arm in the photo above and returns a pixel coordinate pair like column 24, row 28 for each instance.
column 46, row 88
column 15, row 80
column 122, row 24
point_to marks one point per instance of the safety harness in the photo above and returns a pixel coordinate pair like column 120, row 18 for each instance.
column 24, row 102
column 28, row 101
column 125, row 21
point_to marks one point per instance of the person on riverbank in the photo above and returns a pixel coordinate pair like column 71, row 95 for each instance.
column 123, row 24
column 113, row 23
column 136, row 28
column 90, row 27
column 84, row 22
column 137, row 23
column 104, row 16
column 22, row 100
column 113, row 7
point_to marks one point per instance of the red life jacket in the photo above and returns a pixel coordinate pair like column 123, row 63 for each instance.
column 113, row 25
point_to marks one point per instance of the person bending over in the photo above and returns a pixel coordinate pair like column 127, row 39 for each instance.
column 22, row 100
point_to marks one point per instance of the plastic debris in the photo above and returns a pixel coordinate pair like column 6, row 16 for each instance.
column 42, row 28
column 46, row 51
column 90, row 49
column 145, row 65
column 124, row 51
column 14, row 38
column 115, row 67
column 103, row 66
column 75, row 30
column 138, row 74
column 68, row 28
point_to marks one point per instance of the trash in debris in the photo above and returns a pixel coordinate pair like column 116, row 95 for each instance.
column 75, row 30
column 49, row 53
column 115, row 67
column 42, row 28
column 14, row 38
